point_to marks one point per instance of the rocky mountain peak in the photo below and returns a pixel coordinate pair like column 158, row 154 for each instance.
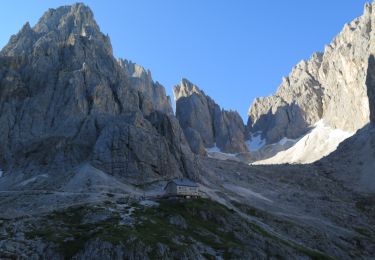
column 77, row 18
column 153, row 95
column 67, row 25
column 185, row 89
column 369, row 8
column 65, row 99
column 132, row 69
column 205, row 124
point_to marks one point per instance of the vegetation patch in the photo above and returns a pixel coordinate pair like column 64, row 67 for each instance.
column 203, row 222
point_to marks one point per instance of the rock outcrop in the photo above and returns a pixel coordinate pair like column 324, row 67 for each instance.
column 296, row 105
column 64, row 100
column 329, row 86
column 205, row 123
column 141, row 80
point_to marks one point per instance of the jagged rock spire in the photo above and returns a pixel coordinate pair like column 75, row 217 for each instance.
column 201, row 117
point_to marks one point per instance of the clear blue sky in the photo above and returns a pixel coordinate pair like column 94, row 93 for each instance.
column 234, row 50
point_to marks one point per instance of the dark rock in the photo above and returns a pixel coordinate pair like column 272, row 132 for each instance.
column 195, row 141
column 370, row 83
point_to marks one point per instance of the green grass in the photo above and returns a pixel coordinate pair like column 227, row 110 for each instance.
column 66, row 229
column 363, row 231
column 361, row 206
column 246, row 208
column 365, row 204
column 156, row 226
column 206, row 222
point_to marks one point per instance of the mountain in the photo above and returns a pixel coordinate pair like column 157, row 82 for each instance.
column 141, row 80
column 353, row 161
column 89, row 143
column 205, row 123
column 328, row 88
column 65, row 100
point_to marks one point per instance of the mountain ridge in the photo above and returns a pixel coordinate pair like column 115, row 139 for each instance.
column 63, row 93
column 89, row 144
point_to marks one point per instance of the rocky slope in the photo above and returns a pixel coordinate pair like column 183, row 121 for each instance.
column 64, row 100
column 252, row 212
column 205, row 123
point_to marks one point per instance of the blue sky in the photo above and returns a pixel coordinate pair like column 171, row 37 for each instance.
column 234, row 50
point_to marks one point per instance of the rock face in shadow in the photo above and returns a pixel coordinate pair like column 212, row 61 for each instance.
column 370, row 83
column 64, row 99
column 329, row 86
column 199, row 114
column 288, row 120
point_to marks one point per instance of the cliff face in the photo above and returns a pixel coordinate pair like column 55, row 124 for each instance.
column 296, row 105
column 64, row 100
column 354, row 160
column 205, row 123
column 154, row 92
column 329, row 86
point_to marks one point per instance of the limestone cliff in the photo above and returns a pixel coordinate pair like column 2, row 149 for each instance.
column 141, row 80
column 208, row 125
column 329, row 86
column 64, row 100
column 354, row 160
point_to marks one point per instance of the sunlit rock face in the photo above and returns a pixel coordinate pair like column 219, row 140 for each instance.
column 329, row 86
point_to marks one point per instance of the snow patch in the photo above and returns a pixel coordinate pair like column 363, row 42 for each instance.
column 215, row 152
column 319, row 142
column 255, row 142
column 213, row 149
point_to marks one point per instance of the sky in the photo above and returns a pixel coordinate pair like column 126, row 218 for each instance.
column 234, row 50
